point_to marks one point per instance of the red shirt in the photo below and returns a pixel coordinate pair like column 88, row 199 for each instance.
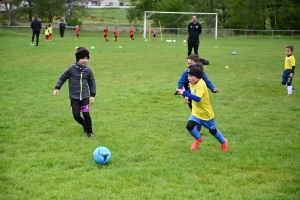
column 115, row 32
column 77, row 30
column 105, row 31
column 131, row 31
column 153, row 32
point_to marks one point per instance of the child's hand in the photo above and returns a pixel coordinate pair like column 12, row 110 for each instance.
column 92, row 100
column 291, row 75
column 55, row 92
column 186, row 100
column 180, row 91
column 216, row 90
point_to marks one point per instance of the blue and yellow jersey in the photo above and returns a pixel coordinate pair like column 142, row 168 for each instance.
column 289, row 62
column 201, row 109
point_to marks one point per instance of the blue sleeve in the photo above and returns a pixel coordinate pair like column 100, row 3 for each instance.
column 209, row 84
column 191, row 96
column 183, row 80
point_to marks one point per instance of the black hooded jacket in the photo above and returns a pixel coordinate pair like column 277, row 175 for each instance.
column 36, row 25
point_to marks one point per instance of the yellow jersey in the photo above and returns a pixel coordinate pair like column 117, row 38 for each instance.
column 202, row 109
column 289, row 62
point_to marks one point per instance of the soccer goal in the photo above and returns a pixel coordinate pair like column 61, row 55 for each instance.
column 149, row 13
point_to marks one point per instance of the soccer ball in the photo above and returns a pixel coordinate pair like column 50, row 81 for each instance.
column 92, row 47
column 101, row 155
column 233, row 53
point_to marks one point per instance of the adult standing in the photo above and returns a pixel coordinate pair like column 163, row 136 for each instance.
column 62, row 26
column 194, row 29
column 36, row 26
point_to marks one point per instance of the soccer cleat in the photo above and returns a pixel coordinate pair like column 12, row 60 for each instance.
column 196, row 143
column 90, row 134
column 224, row 147
column 288, row 95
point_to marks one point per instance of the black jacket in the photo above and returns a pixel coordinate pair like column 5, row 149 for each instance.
column 194, row 31
column 36, row 25
column 81, row 85
column 62, row 24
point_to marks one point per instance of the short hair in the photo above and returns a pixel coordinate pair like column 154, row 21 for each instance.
column 290, row 47
column 194, row 57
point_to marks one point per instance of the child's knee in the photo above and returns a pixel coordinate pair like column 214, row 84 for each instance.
column 213, row 132
column 190, row 125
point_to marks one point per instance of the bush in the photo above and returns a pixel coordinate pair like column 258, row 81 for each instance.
column 74, row 21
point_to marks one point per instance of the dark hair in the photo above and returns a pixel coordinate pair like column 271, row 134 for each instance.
column 290, row 47
column 198, row 66
column 194, row 57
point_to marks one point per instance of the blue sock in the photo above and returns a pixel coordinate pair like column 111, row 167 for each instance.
column 219, row 137
column 195, row 134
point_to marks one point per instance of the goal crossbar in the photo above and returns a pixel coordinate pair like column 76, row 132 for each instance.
column 192, row 13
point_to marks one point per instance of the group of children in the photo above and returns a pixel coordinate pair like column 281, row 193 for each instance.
column 193, row 85
column 48, row 32
column 131, row 34
column 105, row 32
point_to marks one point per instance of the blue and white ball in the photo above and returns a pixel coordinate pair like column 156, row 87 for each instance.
column 101, row 155
column 233, row 53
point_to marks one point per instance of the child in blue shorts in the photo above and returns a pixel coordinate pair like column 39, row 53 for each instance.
column 202, row 112
column 289, row 70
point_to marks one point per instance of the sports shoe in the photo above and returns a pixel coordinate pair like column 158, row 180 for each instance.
column 288, row 95
column 196, row 143
column 90, row 134
column 224, row 147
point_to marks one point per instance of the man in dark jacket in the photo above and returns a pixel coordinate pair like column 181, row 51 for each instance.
column 62, row 25
column 36, row 26
column 194, row 29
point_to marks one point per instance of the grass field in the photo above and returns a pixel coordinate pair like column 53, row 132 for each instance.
column 45, row 154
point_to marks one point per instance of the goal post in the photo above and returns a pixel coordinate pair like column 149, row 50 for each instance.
column 182, row 13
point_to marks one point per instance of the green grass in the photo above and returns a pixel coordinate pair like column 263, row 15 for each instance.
column 45, row 154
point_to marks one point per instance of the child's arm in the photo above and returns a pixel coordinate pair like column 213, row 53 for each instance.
column 63, row 78
column 209, row 84
column 292, row 72
column 189, row 95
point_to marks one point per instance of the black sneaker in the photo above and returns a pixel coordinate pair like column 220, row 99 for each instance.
column 90, row 134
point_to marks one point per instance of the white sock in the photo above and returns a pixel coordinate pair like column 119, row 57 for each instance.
column 290, row 89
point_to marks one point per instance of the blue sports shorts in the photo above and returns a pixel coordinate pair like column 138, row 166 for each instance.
column 210, row 124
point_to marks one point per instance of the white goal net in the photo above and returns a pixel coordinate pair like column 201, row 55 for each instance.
column 175, row 20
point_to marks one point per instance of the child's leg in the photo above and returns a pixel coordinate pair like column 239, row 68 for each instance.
column 76, row 108
column 191, row 127
column 85, row 109
column 211, row 126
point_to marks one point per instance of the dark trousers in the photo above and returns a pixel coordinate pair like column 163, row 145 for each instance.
column 193, row 44
column 62, row 32
column 37, row 34
column 86, row 121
